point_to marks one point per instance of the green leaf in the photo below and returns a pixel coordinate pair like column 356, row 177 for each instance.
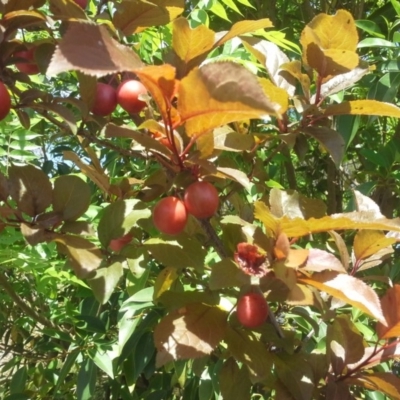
column 71, row 197
column 234, row 381
column 119, row 218
column 86, row 380
column 104, row 281
column 375, row 42
column 396, row 6
column 67, row 366
column 30, row 188
column 370, row 27
column 18, row 381
column 226, row 273
column 103, row 360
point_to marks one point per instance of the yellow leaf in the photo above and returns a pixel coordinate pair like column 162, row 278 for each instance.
column 367, row 243
column 337, row 31
column 294, row 69
column 225, row 92
column 246, row 26
column 278, row 95
column 190, row 43
column 164, row 281
column 364, row 107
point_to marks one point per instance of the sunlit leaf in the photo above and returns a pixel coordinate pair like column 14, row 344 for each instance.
column 133, row 16
column 226, row 273
column 384, row 382
column 190, row 332
column 164, row 281
column 348, row 289
column 391, row 310
column 104, row 280
column 320, row 260
column 363, row 107
column 367, row 243
column 225, row 92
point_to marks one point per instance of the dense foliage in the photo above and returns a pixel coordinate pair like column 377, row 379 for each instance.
column 198, row 199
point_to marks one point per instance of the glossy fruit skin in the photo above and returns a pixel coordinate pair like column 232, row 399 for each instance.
column 105, row 100
column 201, row 199
column 5, row 101
column 29, row 67
column 170, row 215
column 128, row 93
column 252, row 310
column 81, row 3
column 119, row 243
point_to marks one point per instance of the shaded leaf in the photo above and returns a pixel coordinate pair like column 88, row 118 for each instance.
column 86, row 382
column 133, row 16
column 363, row 107
column 190, row 332
column 294, row 69
column 98, row 55
column 246, row 348
column 390, row 303
column 225, row 138
column 104, row 280
column 119, row 218
column 66, row 115
column 33, row 235
column 236, row 175
column 4, row 189
column 71, row 197
column 30, row 188
column 367, row 243
column 234, row 382
column 225, row 273
column 179, row 253
column 278, row 94
column 296, row 375
column 331, row 140
column 66, row 9
column 384, row 382
column 225, row 92
column 345, row 344
column 348, row 289
column 98, row 177
column 84, row 256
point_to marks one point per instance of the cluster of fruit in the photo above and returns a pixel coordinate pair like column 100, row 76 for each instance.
column 171, row 213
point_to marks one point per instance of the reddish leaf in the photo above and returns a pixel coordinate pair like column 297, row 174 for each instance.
column 331, row 140
column 84, row 256
column 98, row 55
column 251, row 260
column 98, row 177
column 345, row 344
column 133, row 16
column 384, row 382
column 30, row 188
column 4, row 189
column 190, row 332
column 71, row 197
column 391, row 310
column 66, row 9
column 320, row 260
column 33, row 235
column 225, row 92
column 20, row 19
column 348, row 289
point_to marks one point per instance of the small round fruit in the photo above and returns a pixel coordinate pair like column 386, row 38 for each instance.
column 201, row 199
column 170, row 216
column 81, row 3
column 252, row 310
column 105, row 100
column 5, row 101
column 128, row 93
column 119, row 243
column 29, row 66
